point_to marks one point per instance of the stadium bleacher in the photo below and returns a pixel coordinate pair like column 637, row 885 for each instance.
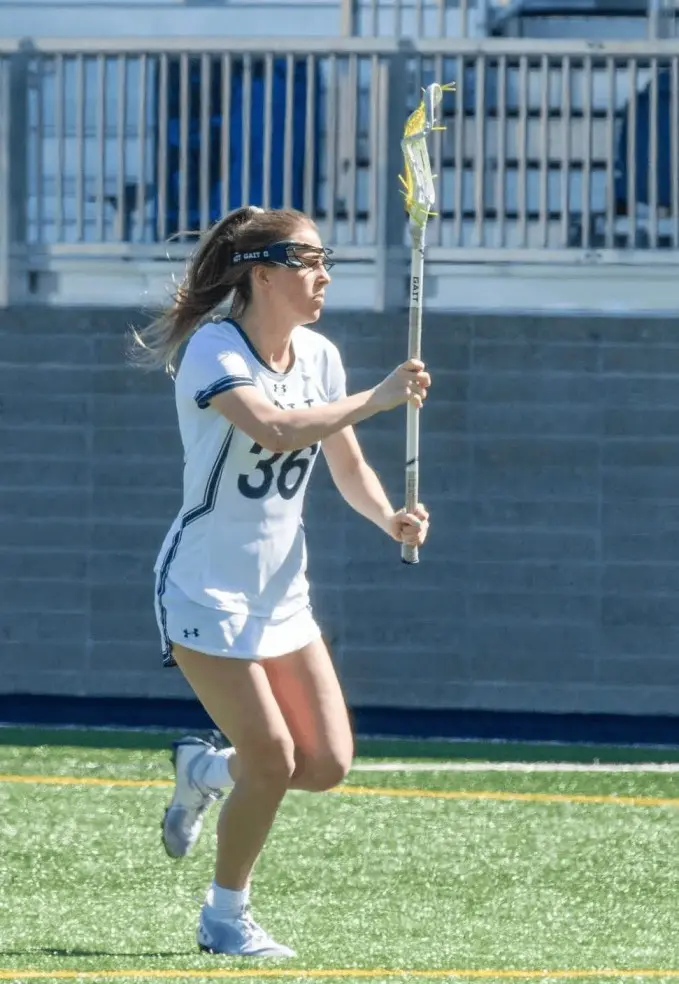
column 563, row 112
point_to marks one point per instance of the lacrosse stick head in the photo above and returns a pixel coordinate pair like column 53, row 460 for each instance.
column 417, row 180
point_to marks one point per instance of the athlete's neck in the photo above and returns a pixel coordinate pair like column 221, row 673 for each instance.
column 272, row 340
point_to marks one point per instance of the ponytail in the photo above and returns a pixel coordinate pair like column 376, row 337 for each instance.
column 210, row 280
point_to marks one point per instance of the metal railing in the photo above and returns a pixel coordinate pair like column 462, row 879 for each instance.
column 552, row 153
column 474, row 18
column 126, row 147
column 415, row 18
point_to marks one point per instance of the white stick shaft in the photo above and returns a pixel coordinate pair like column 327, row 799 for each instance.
column 410, row 555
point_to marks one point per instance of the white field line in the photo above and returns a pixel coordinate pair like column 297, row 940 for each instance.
column 612, row 767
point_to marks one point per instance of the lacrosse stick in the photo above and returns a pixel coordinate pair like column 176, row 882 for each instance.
column 419, row 194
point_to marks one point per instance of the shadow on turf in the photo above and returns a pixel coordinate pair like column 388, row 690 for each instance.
column 50, row 951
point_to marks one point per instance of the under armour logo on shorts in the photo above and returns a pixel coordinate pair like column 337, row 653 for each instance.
column 193, row 632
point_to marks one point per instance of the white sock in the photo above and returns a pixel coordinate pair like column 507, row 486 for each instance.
column 214, row 770
column 226, row 901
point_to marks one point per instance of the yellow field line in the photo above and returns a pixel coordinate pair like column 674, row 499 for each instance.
column 335, row 974
column 87, row 781
column 347, row 790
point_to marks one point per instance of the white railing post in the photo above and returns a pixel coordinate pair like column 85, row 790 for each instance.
column 654, row 20
column 5, row 182
column 13, row 173
column 390, row 261
column 348, row 18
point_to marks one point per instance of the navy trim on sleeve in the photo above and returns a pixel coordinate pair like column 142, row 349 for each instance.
column 222, row 385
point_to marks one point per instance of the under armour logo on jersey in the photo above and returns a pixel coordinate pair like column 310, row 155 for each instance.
column 193, row 632
column 280, row 388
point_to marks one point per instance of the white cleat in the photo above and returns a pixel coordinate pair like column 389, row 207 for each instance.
column 183, row 820
column 239, row 936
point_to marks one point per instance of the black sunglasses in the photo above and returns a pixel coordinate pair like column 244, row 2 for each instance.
column 286, row 253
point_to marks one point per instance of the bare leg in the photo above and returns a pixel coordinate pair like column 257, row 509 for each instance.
column 238, row 697
column 309, row 695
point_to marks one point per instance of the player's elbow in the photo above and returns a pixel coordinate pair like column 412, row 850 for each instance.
column 269, row 430
column 278, row 432
column 285, row 434
column 283, row 441
column 276, row 438
column 267, row 439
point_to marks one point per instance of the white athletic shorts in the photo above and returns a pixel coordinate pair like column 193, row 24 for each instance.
column 220, row 633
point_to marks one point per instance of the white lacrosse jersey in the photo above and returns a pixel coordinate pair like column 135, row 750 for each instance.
column 238, row 543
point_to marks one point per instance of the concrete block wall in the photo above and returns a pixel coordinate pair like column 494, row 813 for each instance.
column 550, row 463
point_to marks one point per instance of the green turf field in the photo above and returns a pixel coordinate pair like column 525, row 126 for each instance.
column 442, row 875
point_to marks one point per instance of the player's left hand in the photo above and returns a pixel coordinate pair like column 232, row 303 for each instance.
column 410, row 528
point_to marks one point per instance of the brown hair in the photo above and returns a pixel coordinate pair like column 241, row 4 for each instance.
column 210, row 279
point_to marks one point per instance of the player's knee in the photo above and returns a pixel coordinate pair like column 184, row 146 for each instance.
column 326, row 772
column 271, row 764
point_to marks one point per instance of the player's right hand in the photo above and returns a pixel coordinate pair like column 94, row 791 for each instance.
column 408, row 383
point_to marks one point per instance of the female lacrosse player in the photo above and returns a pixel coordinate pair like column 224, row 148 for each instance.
column 257, row 395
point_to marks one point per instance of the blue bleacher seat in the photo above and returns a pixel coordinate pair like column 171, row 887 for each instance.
column 569, row 18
